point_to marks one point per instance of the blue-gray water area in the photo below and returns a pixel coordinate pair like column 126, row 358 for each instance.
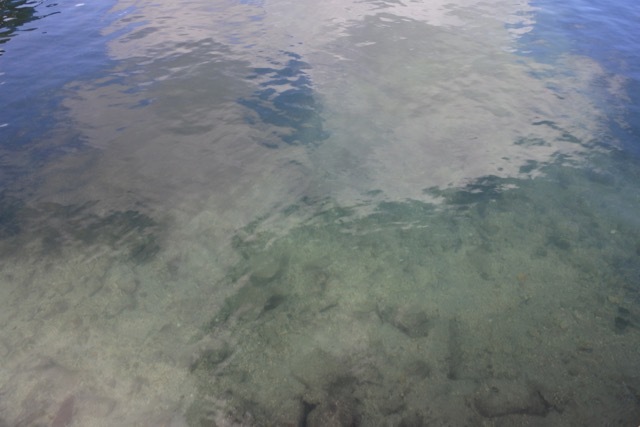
column 265, row 213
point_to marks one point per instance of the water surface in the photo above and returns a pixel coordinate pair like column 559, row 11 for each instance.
column 362, row 213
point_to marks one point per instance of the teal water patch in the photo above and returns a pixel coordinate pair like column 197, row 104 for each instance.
column 287, row 101
column 515, row 302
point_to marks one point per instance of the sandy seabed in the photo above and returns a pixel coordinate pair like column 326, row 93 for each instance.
column 500, row 307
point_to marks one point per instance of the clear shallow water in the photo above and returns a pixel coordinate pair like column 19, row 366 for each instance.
column 367, row 213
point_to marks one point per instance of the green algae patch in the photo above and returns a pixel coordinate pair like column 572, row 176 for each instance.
column 363, row 318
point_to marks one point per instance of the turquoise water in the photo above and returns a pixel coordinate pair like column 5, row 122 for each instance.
column 366, row 213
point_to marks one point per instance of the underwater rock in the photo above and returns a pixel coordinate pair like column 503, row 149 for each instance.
column 117, row 304
column 623, row 320
column 4, row 349
column 318, row 278
column 559, row 242
column 482, row 261
column 144, row 250
column 411, row 320
column 502, row 397
column 419, row 369
column 266, row 268
column 53, row 308
column 335, row 413
column 454, row 350
column 412, row 420
column 121, row 279
column 95, row 405
column 64, row 416
column 273, row 302
column 208, row 355
column 621, row 324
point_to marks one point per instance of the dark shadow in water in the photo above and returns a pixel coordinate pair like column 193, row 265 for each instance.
column 483, row 189
column 14, row 14
column 46, row 230
column 286, row 100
